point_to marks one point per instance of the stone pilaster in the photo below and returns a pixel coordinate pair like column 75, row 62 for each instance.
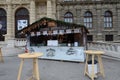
column 49, row 8
column 32, row 11
column 118, row 24
column 9, row 22
column 54, row 8
column 99, row 25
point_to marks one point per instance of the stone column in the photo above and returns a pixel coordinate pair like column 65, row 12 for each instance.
column 9, row 22
column 54, row 9
column 32, row 11
column 58, row 10
column 9, row 37
column 49, row 9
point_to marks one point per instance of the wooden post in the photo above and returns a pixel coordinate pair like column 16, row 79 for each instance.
column 1, row 57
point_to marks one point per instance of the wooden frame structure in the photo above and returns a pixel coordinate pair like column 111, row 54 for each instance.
column 50, row 29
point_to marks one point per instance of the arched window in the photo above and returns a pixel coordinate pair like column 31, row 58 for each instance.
column 88, row 19
column 21, row 20
column 108, row 19
column 3, row 23
column 68, row 17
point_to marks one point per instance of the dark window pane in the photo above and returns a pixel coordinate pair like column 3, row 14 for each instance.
column 108, row 37
column 89, row 37
column 3, row 24
column 2, row 38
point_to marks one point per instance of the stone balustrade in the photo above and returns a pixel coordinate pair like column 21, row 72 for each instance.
column 20, row 42
column 110, row 49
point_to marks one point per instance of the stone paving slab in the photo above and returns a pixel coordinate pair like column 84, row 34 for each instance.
column 55, row 70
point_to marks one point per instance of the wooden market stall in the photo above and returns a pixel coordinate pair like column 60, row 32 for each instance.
column 54, row 37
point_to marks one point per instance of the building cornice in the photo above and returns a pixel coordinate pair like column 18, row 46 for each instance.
column 88, row 2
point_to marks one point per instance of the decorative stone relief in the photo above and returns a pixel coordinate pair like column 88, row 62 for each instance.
column 14, row 6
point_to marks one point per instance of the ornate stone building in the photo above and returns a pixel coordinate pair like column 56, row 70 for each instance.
column 101, row 17
column 17, row 14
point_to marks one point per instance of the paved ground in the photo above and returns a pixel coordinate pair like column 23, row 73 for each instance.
column 55, row 70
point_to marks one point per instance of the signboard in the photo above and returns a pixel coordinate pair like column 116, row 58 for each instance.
column 38, row 33
column 45, row 33
column 32, row 34
column 52, row 43
column 62, row 53
column 68, row 31
column 61, row 31
column 55, row 32
column 22, row 24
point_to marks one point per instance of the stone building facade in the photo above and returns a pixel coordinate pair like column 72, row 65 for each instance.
column 17, row 14
column 101, row 17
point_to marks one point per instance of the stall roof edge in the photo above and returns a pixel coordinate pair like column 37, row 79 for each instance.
column 50, row 19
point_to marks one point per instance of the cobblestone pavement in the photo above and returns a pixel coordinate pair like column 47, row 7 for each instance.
column 55, row 70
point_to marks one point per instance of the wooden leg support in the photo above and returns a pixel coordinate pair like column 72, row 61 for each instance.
column 1, row 57
column 101, row 65
column 36, row 69
column 20, row 69
column 86, row 65
column 35, row 75
column 92, row 74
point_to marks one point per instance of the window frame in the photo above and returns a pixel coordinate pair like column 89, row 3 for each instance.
column 88, row 19
column 19, row 15
column 68, row 17
column 108, row 19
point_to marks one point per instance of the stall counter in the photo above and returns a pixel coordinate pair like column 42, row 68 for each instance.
column 61, row 53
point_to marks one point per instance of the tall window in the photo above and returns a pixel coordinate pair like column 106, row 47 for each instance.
column 21, row 20
column 88, row 19
column 68, row 17
column 3, row 24
column 108, row 19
